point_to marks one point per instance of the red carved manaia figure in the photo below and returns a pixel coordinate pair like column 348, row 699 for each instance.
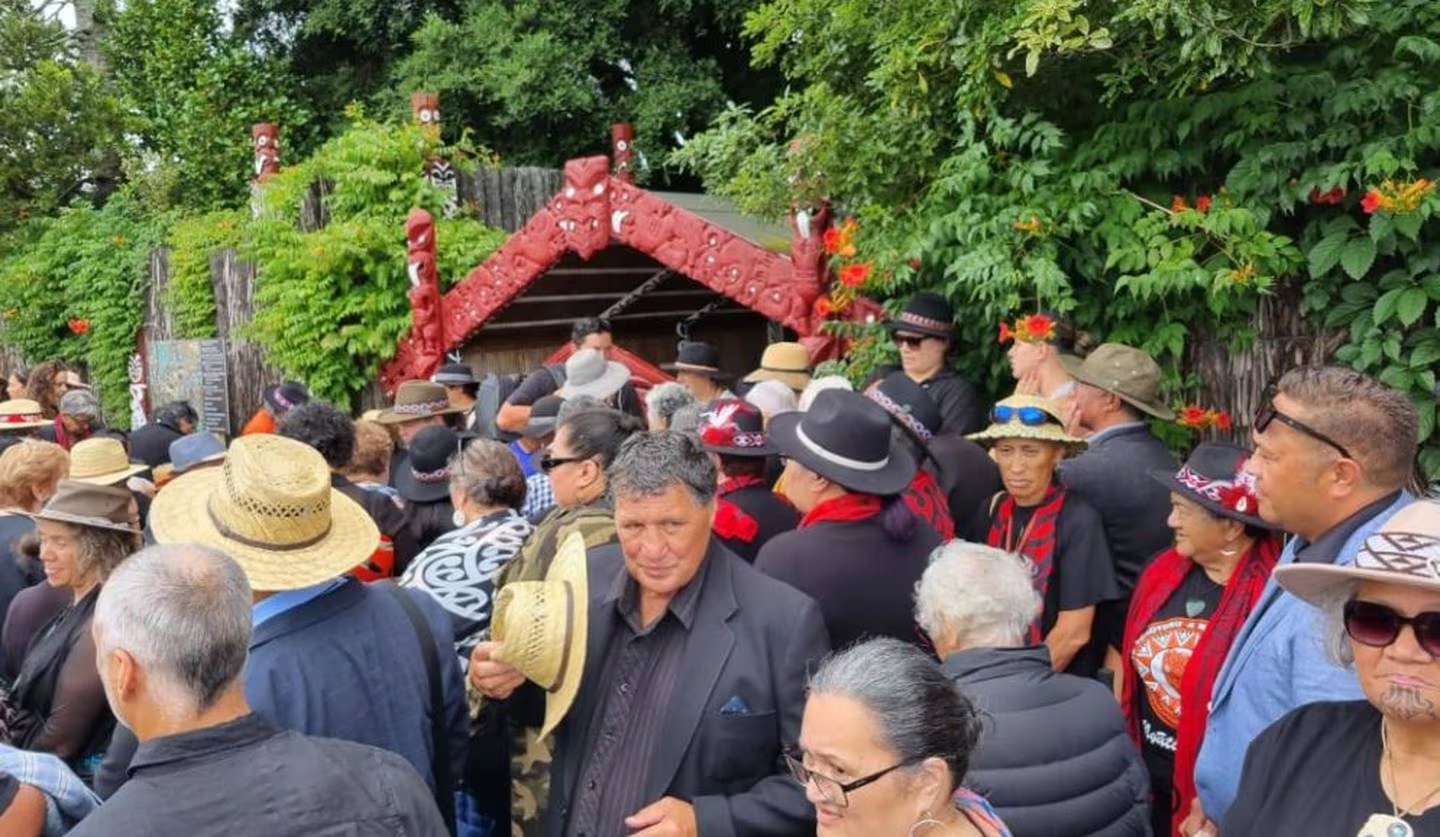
column 583, row 208
column 265, row 139
column 424, row 291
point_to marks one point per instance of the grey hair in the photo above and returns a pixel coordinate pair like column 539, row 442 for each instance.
column 576, row 404
column 664, row 399
column 487, row 472
column 1331, row 621
column 985, row 596
column 649, row 463
column 920, row 712
column 687, row 418
column 184, row 612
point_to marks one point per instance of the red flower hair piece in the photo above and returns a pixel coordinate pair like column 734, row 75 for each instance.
column 1035, row 328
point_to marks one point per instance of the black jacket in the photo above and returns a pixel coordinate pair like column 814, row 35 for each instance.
column 1113, row 476
column 250, row 777
column 771, row 512
column 960, row 408
column 388, row 516
column 864, row 582
column 1055, row 759
column 151, row 444
column 966, row 473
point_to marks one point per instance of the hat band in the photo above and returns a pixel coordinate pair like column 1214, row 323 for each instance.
column 901, row 414
column 783, row 370
column 21, row 419
column 281, row 400
column 431, row 477
column 837, row 459
column 1402, row 553
column 923, row 322
column 231, row 535
column 420, row 408
column 730, row 438
column 1237, row 495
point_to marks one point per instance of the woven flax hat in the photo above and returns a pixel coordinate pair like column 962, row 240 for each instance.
column 101, row 462
column 271, row 508
column 543, row 626
column 1050, row 431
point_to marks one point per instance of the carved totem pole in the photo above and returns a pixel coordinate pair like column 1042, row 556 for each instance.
column 622, row 150
column 265, row 140
column 424, row 292
column 438, row 171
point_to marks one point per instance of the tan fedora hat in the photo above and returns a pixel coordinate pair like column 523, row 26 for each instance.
column 415, row 400
column 101, row 462
column 271, row 508
column 787, row 363
column 88, row 504
column 542, row 628
column 1123, row 371
column 21, row 414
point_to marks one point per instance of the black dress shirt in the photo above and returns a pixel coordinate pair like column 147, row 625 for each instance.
column 1326, row 548
column 248, row 776
column 641, row 666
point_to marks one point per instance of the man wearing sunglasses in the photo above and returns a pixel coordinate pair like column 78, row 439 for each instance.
column 1333, row 452
column 923, row 333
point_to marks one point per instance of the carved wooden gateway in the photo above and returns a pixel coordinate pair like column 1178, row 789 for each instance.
column 598, row 211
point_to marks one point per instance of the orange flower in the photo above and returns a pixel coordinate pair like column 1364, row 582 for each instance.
column 1006, row 335
column 831, row 240
column 1192, row 416
column 1219, row 419
column 854, row 275
column 79, row 326
column 1038, row 326
column 1202, row 203
column 1178, row 204
column 840, row 241
column 823, row 308
column 1030, row 224
column 1371, row 202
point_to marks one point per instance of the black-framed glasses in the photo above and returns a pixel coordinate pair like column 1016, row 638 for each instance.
column 832, row 790
column 549, row 463
column 1028, row 416
column 1378, row 626
column 914, row 341
column 1268, row 413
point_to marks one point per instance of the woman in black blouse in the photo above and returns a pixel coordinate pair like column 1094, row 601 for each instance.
column 1371, row 767
column 57, row 704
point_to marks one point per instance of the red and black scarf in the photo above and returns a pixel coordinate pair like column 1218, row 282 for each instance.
column 846, row 508
column 1159, row 581
column 731, row 521
column 928, row 502
column 1036, row 542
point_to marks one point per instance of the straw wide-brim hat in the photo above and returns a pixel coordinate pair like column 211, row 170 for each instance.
column 272, row 509
column 1050, row 431
column 543, row 627
column 416, row 400
column 102, row 462
column 21, row 414
column 788, row 363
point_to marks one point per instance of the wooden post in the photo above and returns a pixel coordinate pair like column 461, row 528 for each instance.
column 265, row 138
column 438, row 171
column 622, row 147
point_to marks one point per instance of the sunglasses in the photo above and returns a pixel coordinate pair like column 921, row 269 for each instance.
column 1028, row 416
column 1268, row 413
column 1378, row 626
column 909, row 340
column 549, row 463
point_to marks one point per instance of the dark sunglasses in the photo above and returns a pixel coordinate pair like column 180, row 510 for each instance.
column 909, row 340
column 549, row 463
column 1028, row 416
column 1268, row 413
column 1378, row 626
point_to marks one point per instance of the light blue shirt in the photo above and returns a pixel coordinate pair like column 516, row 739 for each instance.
column 277, row 603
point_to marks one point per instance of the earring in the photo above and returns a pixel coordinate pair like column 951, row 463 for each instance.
column 925, row 821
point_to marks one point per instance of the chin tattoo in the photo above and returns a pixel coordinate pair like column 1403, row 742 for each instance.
column 1406, row 703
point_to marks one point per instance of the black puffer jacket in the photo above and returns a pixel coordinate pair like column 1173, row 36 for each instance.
column 1055, row 759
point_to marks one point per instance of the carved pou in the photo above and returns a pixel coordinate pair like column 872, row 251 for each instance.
column 265, row 139
column 428, row 330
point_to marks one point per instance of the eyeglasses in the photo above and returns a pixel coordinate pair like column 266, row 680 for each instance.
column 549, row 463
column 1028, row 416
column 1268, row 413
column 909, row 340
column 830, row 789
column 1375, row 625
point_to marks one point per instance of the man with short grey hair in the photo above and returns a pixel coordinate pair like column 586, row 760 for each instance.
column 696, row 660
column 172, row 629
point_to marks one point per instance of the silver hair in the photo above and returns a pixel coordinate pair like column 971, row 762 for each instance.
column 687, row 418
column 920, row 712
column 649, row 463
column 664, row 399
column 184, row 612
column 576, row 404
column 487, row 472
column 984, row 596
column 1331, row 622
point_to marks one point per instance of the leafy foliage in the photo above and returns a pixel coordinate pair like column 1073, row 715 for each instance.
column 192, row 242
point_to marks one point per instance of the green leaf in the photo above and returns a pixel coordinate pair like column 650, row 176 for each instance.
column 1385, row 306
column 1411, row 306
column 1358, row 256
column 1326, row 254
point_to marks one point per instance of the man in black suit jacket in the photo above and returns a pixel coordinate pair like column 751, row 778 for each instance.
column 695, row 670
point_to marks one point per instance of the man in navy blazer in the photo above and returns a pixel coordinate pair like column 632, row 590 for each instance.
column 695, row 670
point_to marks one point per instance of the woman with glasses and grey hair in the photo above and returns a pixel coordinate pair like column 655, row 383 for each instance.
column 1056, row 760
column 885, row 745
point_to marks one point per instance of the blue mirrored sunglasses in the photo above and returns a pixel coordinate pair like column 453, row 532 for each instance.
column 1028, row 416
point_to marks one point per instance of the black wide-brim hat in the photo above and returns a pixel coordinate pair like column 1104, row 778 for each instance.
column 926, row 313
column 733, row 427
column 1213, row 478
column 845, row 438
column 426, row 475
column 286, row 396
column 699, row 359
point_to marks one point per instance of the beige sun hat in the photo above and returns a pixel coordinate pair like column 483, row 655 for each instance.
column 1019, row 412
column 788, row 363
column 21, row 414
column 543, row 626
column 101, row 461
column 1404, row 552
column 271, row 508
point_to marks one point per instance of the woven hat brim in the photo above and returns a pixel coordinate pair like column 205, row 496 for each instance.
column 794, row 380
column 77, row 520
column 24, row 425
column 178, row 516
column 112, row 477
column 1074, row 367
column 570, row 567
column 1317, row 583
column 892, row 479
column 392, row 417
column 1044, row 433
column 1167, row 479
column 615, row 376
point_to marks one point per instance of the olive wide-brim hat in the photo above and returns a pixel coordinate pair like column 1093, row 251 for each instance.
column 1050, row 428
column 271, row 507
column 1123, row 371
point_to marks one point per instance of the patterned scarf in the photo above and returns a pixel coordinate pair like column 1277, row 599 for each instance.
column 846, row 508
column 1159, row 581
column 928, row 502
column 1037, row 540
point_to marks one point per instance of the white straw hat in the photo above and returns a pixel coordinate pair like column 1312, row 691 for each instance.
column 101, row 461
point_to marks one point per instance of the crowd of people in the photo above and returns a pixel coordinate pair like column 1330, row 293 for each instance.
column 733, row 604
